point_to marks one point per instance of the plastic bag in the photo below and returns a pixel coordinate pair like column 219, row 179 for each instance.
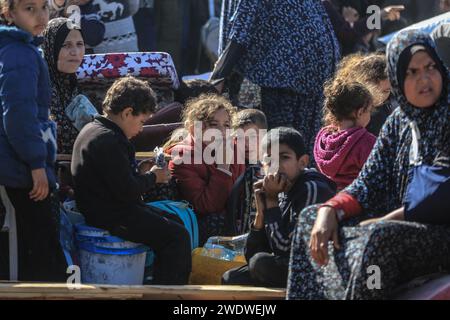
column 80, row 111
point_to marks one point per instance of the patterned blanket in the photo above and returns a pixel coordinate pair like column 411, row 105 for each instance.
column 99, row 71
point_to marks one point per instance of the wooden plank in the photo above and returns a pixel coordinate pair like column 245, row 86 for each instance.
column 63, row 157
column 139, row 156
column 145, row 155
column 11, row 290
column 149, row 154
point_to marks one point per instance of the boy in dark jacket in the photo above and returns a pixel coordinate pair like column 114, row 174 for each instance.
column 108, row 187
column 286, row 189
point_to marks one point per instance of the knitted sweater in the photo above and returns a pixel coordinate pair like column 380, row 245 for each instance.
column 120, row 34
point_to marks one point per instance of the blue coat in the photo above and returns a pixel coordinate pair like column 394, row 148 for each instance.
column 27, row 135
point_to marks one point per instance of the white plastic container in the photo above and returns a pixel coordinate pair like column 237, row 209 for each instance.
column 105, row 259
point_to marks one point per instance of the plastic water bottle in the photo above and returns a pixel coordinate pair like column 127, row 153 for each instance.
column 239, row 243
column 218, row 252
column 159, row 157
column 225, row 248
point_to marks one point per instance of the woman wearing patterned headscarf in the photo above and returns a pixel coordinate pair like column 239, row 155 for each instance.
column 289, row 49
column 64, row 50
column 396, row 251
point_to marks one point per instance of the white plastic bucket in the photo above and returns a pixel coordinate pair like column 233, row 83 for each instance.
column 105, row 259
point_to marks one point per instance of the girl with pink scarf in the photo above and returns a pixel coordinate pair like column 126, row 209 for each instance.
column 343, row 145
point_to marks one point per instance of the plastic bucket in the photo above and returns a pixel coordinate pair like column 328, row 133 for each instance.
column 87, row 233
column 105, row 259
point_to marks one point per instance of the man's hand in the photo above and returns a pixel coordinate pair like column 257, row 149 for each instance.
column 325, row 229
column 392, row 13
column 350, row 14
column 162, row 174
column 40, row 185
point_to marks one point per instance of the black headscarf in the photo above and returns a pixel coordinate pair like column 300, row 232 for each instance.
column 382, row 182
column 64, row 85
column 405, row 59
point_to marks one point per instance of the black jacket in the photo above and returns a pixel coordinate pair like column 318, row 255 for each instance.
column 279, row 223
column 107, row 185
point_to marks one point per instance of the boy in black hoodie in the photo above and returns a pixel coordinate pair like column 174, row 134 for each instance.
column 109, row 186
column 287, row 188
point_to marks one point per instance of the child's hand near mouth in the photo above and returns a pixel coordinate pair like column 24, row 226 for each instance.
column 274, row 184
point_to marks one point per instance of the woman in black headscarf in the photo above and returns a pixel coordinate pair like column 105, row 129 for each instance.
column 64, row 50
column 400, row 250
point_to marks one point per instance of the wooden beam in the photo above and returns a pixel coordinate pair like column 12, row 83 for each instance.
column 139, row 156
column 64, row 157
column 11, row 290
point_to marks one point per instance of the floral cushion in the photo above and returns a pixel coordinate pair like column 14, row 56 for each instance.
column 98, row 71
column 157, row 67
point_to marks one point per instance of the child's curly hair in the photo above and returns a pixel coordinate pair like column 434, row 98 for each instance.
column 369, row 70
column 6, row 5
column 203, row 108
column 342, row 98
column 129, row 92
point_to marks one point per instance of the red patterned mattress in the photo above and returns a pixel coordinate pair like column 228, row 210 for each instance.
column 98, row 71
column 157, row 67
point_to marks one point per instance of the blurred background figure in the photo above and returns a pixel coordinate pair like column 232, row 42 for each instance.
column 144, row 23
column 289, row 49
column 120, row 34
column 178, row 25
column 441, row 36
column 108, row 26
column 91, row 24
column 444, row 6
